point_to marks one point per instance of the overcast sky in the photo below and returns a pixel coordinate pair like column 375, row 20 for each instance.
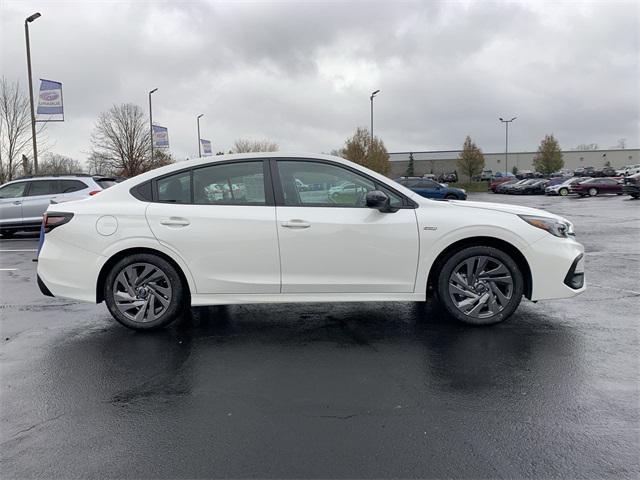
column 300, row 73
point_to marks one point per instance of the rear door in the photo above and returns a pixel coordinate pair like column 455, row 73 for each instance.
column 11, row 198
column 40, row 193
column 221, row 219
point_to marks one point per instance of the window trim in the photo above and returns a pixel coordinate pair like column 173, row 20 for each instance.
column 407, row 203
column 266, row 179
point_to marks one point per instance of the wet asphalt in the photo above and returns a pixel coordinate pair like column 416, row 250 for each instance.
column 345, row 390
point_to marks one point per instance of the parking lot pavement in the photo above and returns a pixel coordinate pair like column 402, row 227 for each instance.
column 347, row 390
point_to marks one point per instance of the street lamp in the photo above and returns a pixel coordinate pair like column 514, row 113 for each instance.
column 373, row 94
column 151, row 121
column 199, row 149
column 506, row 143
column 27, row 21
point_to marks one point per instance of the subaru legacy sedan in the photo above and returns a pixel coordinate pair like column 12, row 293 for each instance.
column 155, row 244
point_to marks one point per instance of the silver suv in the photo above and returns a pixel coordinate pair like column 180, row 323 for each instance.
column 23, row 201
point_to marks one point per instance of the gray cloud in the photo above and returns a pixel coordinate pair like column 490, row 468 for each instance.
column 300, row 72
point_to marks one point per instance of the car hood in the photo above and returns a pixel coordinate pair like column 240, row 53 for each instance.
column 506, row 208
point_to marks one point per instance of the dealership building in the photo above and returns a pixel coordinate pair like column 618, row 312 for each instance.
column 445, row 161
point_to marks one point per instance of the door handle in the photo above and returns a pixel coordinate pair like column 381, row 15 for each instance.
column 296, row 223
column 175, row 222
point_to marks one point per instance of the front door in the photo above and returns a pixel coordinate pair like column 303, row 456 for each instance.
column 220, row 220
column 330, row 242
column 11, row 197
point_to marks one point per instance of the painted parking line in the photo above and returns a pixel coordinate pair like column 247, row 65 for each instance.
column 20, row 250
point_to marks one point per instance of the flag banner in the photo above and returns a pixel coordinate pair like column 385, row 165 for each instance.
column 50, row 101
column 206, row 148
column 160, row 137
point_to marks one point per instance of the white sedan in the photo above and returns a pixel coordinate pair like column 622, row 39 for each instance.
column 155, row 244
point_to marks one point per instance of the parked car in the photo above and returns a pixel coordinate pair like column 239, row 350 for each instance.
column 563, row 172
column 431, row 189
column 595, row 186
column 486, row 175
column 604, row 172
column 584, row 171
column 631, row 185
column 24, row 201
column 629, row 170
column 563, row 188
column 507, row 188
column 150, row 251
column 535, row 187
column 495, row 182
column 450, row 177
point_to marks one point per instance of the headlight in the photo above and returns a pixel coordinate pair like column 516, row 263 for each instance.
column 554, row 227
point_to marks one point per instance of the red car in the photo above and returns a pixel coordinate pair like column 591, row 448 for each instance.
column 595, row 186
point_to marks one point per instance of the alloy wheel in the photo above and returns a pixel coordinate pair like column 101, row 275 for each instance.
column 481, row 286
column 142, row 292
column 593, row 192
column 564, row 192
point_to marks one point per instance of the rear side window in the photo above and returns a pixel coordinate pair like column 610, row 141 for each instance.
column 13, row 190
column 175, row 188
column 240, row 183
column 69, row 186
column 42, row 187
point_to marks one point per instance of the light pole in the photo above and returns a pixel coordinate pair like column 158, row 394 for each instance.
column 151, row 121
column 373, row 94
column 27, row 21
column 506, row 143
column 199, row 148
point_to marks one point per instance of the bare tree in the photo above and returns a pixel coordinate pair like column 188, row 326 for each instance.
column 243, row 145
column 54, row 164
column 121, row 142
column 622, row 143
column 587, row 146
column 15, row 129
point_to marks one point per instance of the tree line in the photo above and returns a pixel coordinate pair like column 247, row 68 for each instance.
column 121, row 145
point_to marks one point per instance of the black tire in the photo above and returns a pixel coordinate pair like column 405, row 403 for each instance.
column 451, row 196
column 487, row 315
column 7, row 233
column 563, row 192
column 593, row 191
column 166, row 286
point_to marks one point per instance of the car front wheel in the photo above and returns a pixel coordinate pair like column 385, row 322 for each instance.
column 480, row 285
column 144, row 292
column 563, row 192
column 593, row 192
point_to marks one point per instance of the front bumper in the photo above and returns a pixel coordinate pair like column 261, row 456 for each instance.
column 554, row 263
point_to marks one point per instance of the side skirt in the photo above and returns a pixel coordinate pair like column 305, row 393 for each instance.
column 232, row 299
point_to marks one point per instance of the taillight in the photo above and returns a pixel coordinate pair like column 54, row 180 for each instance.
column 94, row 192
column 52, row 220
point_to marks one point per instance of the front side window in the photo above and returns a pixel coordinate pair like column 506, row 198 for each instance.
column 306, row 183
column 240, row 183
column 13, row 190
column 175, row 188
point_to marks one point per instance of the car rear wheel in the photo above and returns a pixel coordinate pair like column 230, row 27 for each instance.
column 480, row 285
column 144, row 292
column 451, row 196
column 563, row 192
column 593, row 192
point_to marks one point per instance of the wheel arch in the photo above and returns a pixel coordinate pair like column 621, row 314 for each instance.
column 115, row 258
column 500, row 244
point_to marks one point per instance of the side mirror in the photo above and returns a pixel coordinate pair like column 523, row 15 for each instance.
column 379, row 201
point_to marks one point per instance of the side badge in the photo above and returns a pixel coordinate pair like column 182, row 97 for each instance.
column 430, row 228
